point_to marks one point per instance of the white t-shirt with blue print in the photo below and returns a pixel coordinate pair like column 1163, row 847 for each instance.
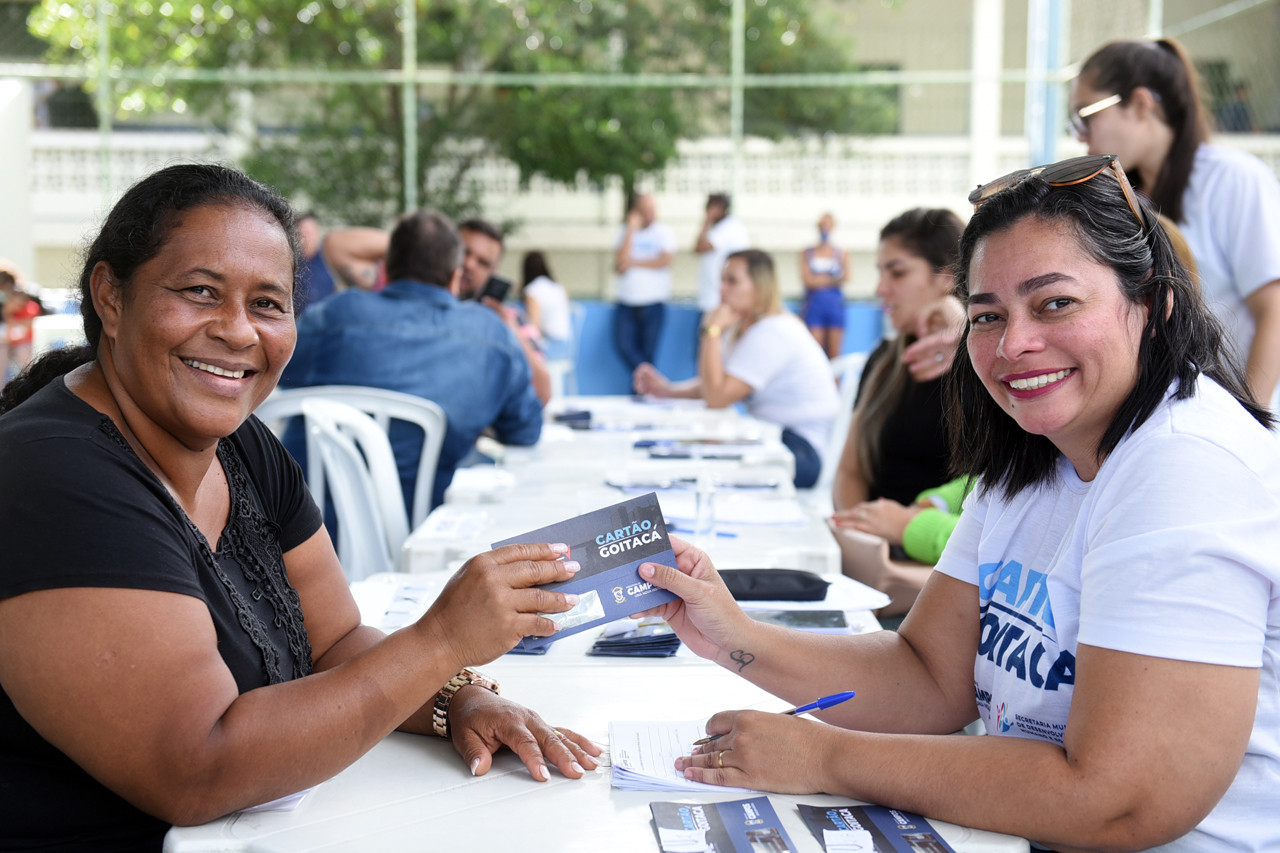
column 1172, row 551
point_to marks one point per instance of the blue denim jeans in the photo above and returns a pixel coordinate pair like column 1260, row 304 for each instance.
column 808, row 462
column 636, row 329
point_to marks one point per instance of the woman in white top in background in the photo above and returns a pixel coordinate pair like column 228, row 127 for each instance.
column 547, row 304
column 754, row 351
column 1139, row 100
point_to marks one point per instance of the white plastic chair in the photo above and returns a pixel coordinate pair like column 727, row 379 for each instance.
column 383, row 406
column 846, row 370
column 359, row 473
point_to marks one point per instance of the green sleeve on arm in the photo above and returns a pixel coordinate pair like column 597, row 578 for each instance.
column 927, row 534
column 952, row 493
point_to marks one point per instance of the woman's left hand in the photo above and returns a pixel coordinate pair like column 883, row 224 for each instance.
column 722, row 315
column 481, row 723
column 881, row 517
column 762, row 751
column 938, row 331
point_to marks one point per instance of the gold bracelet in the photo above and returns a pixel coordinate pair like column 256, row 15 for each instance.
column 711, row 330
column 440, row 709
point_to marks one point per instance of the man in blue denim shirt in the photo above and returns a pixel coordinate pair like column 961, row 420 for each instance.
column 415, row 336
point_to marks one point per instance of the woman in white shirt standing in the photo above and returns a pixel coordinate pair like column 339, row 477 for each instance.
column 754, row 351
column 547, row 304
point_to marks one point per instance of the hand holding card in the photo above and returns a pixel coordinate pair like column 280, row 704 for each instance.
column 609, row 544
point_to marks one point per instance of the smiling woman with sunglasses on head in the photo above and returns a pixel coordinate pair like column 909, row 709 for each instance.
column 1109, row 604
column 177, row 639
column 1139, row 100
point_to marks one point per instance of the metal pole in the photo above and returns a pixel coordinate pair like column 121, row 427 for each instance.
column 737, row 80
column 984, row 92
column 1155, row 19
column 409, row 101
column 1046, row 36
column 104, row 106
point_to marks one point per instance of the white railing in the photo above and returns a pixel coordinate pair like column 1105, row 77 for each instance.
column 785, row 185
column 67, row 165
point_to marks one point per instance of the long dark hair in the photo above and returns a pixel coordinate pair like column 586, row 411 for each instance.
column 1175, row 349
column 932, row 234
column 1164, row 68
column 534, row 266
column 134, row 232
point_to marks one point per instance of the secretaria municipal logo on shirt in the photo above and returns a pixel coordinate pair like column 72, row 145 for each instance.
column 1003, row 721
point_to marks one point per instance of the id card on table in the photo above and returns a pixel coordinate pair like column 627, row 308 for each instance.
column 610, row 544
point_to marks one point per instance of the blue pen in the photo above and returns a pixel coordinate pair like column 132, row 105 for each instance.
column 817, row 705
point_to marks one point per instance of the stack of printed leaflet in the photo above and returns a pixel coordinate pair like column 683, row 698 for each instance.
column 752, row 825
column 645, row 638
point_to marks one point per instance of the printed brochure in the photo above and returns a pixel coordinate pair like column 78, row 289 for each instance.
column 738, row 826
column 610, row 544
column 872, row 829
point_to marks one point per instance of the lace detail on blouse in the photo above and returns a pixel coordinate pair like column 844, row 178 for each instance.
column 253, row 543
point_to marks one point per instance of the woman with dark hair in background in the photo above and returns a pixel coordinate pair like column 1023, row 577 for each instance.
column 1117, row 632
column 546, row 303
column 177, row 638
column 1140, row 101
column 896, row 447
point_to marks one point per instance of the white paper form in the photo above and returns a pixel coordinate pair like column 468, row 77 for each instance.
column 644, row 755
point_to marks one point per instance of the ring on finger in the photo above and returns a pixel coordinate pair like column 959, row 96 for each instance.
column 938, row 357
column 720, row 759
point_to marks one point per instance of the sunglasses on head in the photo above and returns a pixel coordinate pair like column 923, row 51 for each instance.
column 1065, row 173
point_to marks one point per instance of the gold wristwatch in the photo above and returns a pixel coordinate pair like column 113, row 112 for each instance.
column 712, row 330
column 440, row 710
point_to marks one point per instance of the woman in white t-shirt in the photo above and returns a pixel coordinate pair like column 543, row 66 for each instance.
column 1109, row 604
column 753, row 351
column 1139, row 100
column 547, row 305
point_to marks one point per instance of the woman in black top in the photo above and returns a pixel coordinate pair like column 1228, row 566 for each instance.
column 896, row 446
column 177, row 639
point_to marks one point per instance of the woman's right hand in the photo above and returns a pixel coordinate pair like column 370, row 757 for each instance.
column 647, row 380
column 705, row 617
column 882, row 517
column 491, row 603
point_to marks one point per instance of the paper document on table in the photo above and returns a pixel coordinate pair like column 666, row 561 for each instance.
column 281, row 804
column 390, row 600
column 454, row 524
column 644, row 755
column 735, row 508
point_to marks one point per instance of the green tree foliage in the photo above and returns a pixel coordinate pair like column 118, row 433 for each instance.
column 339, row 145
